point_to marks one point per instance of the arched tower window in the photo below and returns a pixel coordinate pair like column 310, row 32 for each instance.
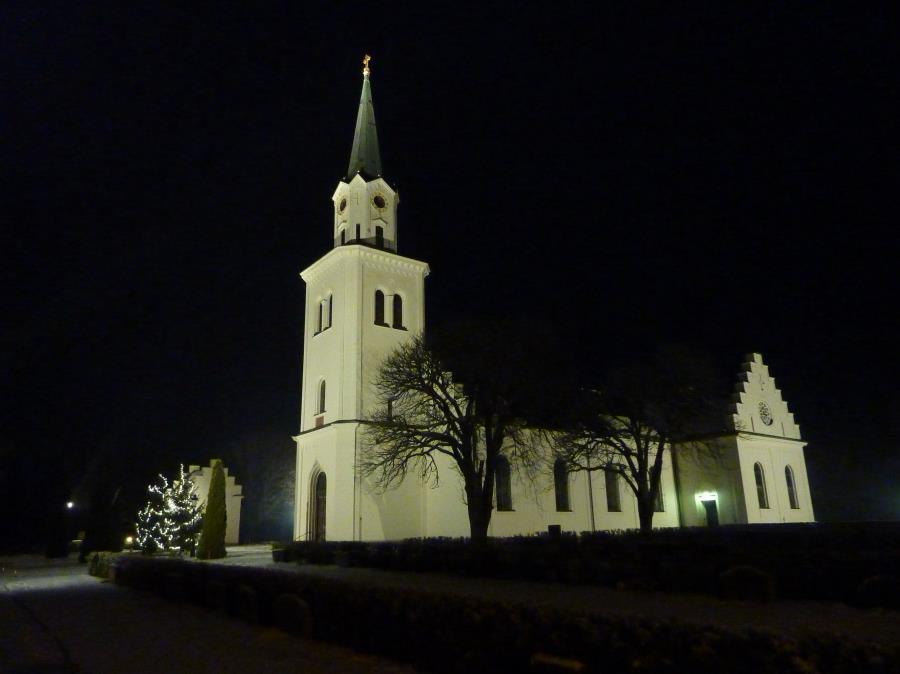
column 561, row 485
column 503, row 488
column 321, row 406
column 398, row 311
column 379, row 308
column 319, row 319
column 791, row 487
column 343, row 236
column 317, row 503
column 762, row 494
column 358, row 231
column 330, row 308
column 613, row 501
column 379, row 236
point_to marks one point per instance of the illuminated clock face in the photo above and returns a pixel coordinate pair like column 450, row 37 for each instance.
column 342, row 206
column 379, row 202
column 765, row 414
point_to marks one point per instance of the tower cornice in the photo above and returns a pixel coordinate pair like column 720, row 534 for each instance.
column 372, row 257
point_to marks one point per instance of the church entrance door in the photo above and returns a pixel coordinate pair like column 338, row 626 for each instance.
column 712, row 513
column 318, row 506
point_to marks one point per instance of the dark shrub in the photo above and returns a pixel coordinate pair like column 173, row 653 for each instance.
column 175, row 586
column 746, row 582
column 879, row 591
column 216, row 596
column 458, row 633
column 246, row 604
column 212, row 535
column 292, row 614
column 101, row 564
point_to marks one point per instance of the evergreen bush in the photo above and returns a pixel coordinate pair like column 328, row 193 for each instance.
column 212, row 535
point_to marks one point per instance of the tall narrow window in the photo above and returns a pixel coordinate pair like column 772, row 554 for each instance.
column 613, row 502
column 761, row 494
column 379, row 237
column 792, row 487
column 321, row 408
column 330, row 311
column 398, row 311
column 504, row 492
column 358, row 232
column 319, row 319
column 343, row 236
column 379, row 308
column 561, row 485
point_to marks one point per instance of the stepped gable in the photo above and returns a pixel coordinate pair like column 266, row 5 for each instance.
column 757, row 405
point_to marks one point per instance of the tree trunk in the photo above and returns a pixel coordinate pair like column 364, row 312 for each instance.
column 645, row 514
column 479, row 515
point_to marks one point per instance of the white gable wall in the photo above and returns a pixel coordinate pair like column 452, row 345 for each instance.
column 201, row 477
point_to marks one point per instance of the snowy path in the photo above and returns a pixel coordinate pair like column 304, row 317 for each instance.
column 56, row 618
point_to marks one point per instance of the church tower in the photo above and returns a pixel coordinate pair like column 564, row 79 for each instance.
column 363, row 299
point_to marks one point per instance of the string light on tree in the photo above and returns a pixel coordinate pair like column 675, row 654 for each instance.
column 171, row 519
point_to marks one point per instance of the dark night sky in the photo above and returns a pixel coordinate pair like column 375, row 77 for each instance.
column 719, row 175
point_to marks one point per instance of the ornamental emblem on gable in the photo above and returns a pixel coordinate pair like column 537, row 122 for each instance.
column 765, row 414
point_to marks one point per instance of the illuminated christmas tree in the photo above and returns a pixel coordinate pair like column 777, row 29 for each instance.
column 172, row 517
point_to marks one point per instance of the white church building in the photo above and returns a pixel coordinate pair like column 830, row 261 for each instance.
column 363, row 299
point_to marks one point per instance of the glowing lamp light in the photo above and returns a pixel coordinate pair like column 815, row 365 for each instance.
column 70, row 505
column 129, row 540
column 705, row 496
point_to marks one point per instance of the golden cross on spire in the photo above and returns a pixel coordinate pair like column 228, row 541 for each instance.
column 365, row 62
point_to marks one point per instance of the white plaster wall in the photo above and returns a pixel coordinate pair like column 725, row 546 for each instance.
column 347, row 354
column 361, row 209
column 331, row 450
column 773, row 454
column 755, row 385
column 201, row 477
column 445, row 505
column 534, row 504
column 711, row 466
column 393, row 276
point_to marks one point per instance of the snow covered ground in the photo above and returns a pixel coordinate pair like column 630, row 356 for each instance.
column 56, row 618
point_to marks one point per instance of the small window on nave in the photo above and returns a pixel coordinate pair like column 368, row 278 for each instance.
column 503, row 487
column 762, row 494
column 791, row 487
column 561, row 485
column 613, row 500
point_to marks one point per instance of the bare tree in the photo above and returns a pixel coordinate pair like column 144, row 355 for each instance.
column 423, row 412
column 647, row 406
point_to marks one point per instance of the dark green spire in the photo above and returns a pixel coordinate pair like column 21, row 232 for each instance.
column 365, row 158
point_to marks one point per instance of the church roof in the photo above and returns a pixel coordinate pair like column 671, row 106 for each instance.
column 365, row 157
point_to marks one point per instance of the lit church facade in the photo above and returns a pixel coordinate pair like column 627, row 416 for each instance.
column 363, row 299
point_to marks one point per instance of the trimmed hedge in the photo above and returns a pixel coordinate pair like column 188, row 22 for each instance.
column 451, row 633
column 827, row 562
column 102, row 564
